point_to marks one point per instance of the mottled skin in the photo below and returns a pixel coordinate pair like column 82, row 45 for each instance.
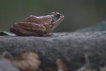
column 40, row 26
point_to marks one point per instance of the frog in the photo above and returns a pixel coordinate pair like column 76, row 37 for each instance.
column 37, row 25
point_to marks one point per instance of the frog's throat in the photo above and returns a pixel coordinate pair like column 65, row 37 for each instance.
column 55, row 24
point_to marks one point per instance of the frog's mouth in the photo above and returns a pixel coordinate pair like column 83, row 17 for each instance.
column 55, row 19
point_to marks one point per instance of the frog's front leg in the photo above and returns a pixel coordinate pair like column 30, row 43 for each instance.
column 47, row 26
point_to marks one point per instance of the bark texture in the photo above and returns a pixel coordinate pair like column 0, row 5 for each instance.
column 70, row 47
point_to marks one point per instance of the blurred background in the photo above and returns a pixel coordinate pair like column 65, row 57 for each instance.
column 78, row 13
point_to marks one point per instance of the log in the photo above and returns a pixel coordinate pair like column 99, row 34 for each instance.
column 70, row 47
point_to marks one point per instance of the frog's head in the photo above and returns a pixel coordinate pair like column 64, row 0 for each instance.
column 57, row 18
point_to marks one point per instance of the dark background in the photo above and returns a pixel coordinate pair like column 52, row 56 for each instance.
column 78, row 13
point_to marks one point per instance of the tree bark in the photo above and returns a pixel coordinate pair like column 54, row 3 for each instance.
column 70, row 47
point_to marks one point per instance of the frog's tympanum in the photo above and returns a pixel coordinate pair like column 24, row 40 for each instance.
column 40, row 26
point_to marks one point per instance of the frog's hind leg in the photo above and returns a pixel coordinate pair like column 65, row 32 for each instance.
column 20, row 32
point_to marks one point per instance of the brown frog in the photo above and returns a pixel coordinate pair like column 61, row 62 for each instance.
column 39, row 26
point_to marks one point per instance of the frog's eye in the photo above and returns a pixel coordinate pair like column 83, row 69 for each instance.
column 58, row 15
